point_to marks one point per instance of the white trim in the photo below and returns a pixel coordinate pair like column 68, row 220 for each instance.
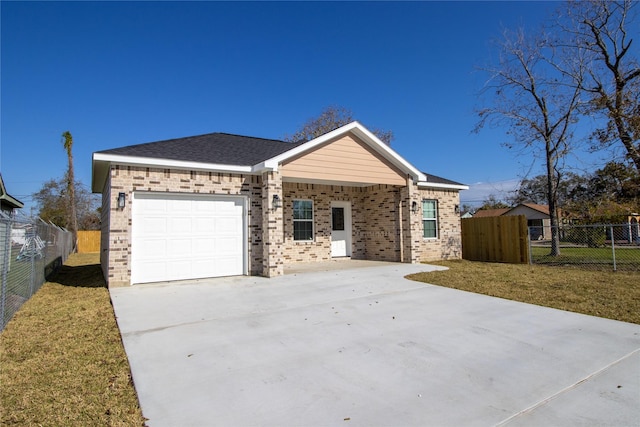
column 440, row 185
column 435, row 219
column 361, row 132
column 168, row 164
column 312, row 221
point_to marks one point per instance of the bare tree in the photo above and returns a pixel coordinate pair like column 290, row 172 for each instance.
column 604, row 30
column 332, row 118
column 533, row 99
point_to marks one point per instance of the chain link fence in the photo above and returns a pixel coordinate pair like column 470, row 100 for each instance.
column 597, row 247
column 30, row 250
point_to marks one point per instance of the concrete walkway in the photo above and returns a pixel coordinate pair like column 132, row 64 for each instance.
column 365, row 347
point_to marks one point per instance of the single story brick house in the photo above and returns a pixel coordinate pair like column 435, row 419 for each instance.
column 220, row 205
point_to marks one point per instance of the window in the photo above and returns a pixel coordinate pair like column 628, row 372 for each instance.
column 430, row 219
column 302, row 220
column 337, row 219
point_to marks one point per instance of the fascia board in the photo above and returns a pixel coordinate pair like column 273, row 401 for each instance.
column 12, row 200
column 363, row 133
column 166, row 163
column 388, row 152
column 101, row 162
column 444, row 186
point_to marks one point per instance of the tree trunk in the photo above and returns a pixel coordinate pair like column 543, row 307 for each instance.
column 628, row 142
column 552, row 199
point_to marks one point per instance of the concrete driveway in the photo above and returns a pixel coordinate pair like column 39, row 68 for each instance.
column 365, row 347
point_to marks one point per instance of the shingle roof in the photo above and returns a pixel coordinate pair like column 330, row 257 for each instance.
column 439, row 180
column 214, row 148
column 540, row 208
column 482, row 213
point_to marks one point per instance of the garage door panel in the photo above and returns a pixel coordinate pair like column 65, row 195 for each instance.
column 180, row 225
column 152, row 248
column 149, row 225
column 156, row 270
column 203, row 245
column 176, row 237
column 227, row 225
column 179, row 248
column 204, row 225
column 178, row 206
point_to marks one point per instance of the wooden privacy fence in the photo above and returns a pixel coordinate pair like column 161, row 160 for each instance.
column 88, row 241
column 496, row 239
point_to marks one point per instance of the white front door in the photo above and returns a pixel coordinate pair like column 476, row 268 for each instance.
column 340, row 229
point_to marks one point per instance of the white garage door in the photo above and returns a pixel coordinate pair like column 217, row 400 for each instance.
column 179, row 237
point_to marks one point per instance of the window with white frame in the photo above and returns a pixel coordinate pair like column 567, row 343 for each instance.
column 302, row 220
column 430, row 219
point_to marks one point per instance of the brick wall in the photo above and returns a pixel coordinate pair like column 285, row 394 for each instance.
column 128, row 179
column 383, row 227
column 448, row 245
column 374, row 218
column 381, row 230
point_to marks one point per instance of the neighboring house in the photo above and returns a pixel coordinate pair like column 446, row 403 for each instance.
column 8, row 204
column 538, row 218
column 220, row 205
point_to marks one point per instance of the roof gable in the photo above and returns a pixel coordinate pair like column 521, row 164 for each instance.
column 363, row 134
column 346, row 160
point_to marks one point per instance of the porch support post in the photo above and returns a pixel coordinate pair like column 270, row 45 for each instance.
column 411, row 222
column 272, row 225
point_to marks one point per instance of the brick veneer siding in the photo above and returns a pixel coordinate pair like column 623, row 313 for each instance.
column 128, row 179
column 448, row 245
column 374, row 216
column 272, row 224
column 383, row 226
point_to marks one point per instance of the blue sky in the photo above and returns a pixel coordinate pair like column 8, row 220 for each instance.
column 122, row 73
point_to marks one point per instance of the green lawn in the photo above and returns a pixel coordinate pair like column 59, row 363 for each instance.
column 627, row 258
column 614, row 295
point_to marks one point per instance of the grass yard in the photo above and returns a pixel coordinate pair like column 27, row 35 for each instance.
column 627, row 258
column 614, row 295
column 61, row 358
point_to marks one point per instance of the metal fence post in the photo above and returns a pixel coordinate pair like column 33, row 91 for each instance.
column 613, row 247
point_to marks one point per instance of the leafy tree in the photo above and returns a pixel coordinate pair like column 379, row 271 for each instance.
column 67, row 142
column 332, row 118
column 492, row 202
column 536, row 101
column 53, row 201
column 534, row 190
column 612, row 193
column 601, row 32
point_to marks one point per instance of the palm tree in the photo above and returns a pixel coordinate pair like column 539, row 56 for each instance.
column 67, row 142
